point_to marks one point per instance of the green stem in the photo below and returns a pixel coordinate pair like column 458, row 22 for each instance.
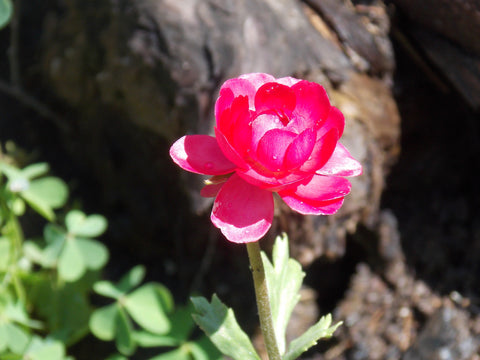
column 263, row 301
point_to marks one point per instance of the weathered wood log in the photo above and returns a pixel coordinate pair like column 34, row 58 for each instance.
column 445, row 33
column 157, row 66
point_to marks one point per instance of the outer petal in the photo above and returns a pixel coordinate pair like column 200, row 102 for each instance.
column 319, row 188
column 200, row 154
column 313, row 207
column 335, row 120
column 312, row 100
column 243, row 212
column 229, row 151
column 257, row 79
column 289, row 81
column 341, row 163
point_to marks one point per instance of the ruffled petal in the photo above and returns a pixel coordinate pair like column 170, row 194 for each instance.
column 313, row 207
column 319, row 188
column 322, row 151
column 272, row 147
column 341, row 163
column 228, row 118
column 300, row 149
column 223, row 103
column 311, row 100
column 274, row 97
column 257, row 79
column 243, row 212
column 289, row 81
column 335, row 120
column 201, row 154
column 228, row 150
column 271, row 182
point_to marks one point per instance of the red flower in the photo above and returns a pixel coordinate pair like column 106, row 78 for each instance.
column 272, row 135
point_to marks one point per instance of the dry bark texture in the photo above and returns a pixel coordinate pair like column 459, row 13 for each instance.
column 157, row 65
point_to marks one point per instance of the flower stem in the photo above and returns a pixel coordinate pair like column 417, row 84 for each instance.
column 263, row 301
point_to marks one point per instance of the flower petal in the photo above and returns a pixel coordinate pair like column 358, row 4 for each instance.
column 341, row 163
column 272, row 147
column 257, row 79
column 319, row 188
column 274, row 97
column 200, row 154
column 300, row 149
column 243, row 212
column 328, row 207
column 311, row 100
column 229, row 151
column 289, row 81
column 321, row 152
column 335, row 120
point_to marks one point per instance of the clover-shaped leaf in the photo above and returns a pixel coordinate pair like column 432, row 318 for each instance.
column 78, row 255
column 45, row 349
column 148, row 305
column 85, row 226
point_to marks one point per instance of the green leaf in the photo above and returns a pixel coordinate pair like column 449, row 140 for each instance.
column 131, row 279
column 34, row 170
column 124, row 333
column 53, row 233
column 6, row 10
column 182, row 323
column 177, row 354
column 116, row 357
column 149, row 305
column 148, row 339
column 4, row 253
column 17, row 338
column 219, row 323
column 50, row 190
column 3, row 337
column 94, row 253
column 321, row 330
column 203, row 349
column 103, row 322
column 38, row 204
column 106, row 288
column 71, row 265
column 85, row 226
column 48, row 351
column 284, row 278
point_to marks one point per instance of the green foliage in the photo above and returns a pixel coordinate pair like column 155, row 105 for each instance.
column 284, row 278
column 46, row 283
column 219, row 323
column 6, row 10
column 145, row 316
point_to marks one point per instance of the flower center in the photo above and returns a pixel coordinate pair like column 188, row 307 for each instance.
column 282, row 117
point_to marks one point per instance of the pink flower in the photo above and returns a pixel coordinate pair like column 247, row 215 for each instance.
column 271, row 135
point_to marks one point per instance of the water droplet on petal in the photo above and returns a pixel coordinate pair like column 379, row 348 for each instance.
column 208, row 165
column 275, row 157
